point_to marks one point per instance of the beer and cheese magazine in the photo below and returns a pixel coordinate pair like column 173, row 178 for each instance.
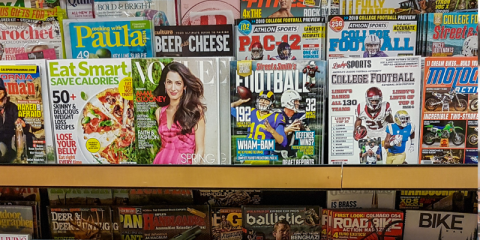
column 360, row 224
column 160, row 12
column 280, row 39
column 26, row 132
column 92, row 106
column 80, row 222
column 452, row 34
column 369, row 36
column 281, row 222
column 450, row 111
column 16, row 219
column 356, row 199
column 192, row 41
column 20, row 34
column 277, row 112
column 227, row 224
column 208, row 12
column 374, row 113
column 192, row 84
column 121, row 38
column 277, row 9
column 433, row 225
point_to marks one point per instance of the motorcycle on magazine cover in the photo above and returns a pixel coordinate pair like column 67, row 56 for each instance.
column 474, row 105
column 448, row 158
column 473, row 137
column 448, row 131
column 444, row 99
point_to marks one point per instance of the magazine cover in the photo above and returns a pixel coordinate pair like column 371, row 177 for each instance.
column 450, row 111
column 369, row 36
column 177, row 222
column 192, row 41
column 159, row 85
column 453, row 201
column 35, row 214
column 281, row 222
column 381, row 7
column 361, row 199
column 160, row 12
column 431, row 225
column 80, row 222
column 224, row 109
column 92, row 106
column 26, row 134
column 374, row 116
column 19, row 194
column 353, row 224
column 227, row 224
column 157, row 196
column 29, row 34
column 277, row 9
column 79, row 196
column 15, row 237
column 280, row 39
column 48, row 54
column 452, row 34
column 442, row 6
column 208, row 12
column 277, row 112
column 323, row 234
column 80, row 9
column 16, row 3
column 16, row 219
column 227, row 198
column 130, row 220
column 120, row 38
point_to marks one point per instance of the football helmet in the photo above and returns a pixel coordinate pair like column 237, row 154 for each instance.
column 372, row 44
column 288, row 99
column 267, row 96
column 373, row 94
column 402, row 118
column 360, row 132
column 312, row 64
column 470, row 47
column 281, row 51
column 257, row 51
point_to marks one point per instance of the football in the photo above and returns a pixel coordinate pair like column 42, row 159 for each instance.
column 244, row 93
column 360, row 132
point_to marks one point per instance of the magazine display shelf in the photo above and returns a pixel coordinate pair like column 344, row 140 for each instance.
column 305, row 177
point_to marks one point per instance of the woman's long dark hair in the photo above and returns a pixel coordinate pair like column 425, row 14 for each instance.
column 190, row 109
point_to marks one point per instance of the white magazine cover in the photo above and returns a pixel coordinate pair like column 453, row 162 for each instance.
column 79, row 9
column 355, row 199
column 368, row 36
column 432, row 225
column 161, row 12
column 208, row 12
column 280, row 38
column 374, row 106
column 381, row 7
column 224, row 109
column 92, row 104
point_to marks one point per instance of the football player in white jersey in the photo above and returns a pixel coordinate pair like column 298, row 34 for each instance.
column 373, row 116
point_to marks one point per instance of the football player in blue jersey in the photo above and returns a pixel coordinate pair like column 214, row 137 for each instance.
column 295, row 120
column 264, row 124
column 398, row 134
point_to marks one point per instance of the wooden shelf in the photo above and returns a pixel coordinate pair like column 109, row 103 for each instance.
column 265, row 177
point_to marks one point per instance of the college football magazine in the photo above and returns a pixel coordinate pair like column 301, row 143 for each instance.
column 277, row 112
column 280, row 39
column 374, row 113
column 370, row 36
column 450, row 111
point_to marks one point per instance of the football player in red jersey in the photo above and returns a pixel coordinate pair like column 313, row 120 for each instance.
column 257, row 51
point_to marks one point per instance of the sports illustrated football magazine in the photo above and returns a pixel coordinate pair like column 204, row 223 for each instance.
column 432, row 225
column 370, row 36
column 374, row 113
column 281, row 222
column 355, row 199
column 209, row 12
column 450, row 111
column 92, row 106
column 189, row 133
column 277, row 9
column 452, row 34
column 277, row 112
column 280, row 38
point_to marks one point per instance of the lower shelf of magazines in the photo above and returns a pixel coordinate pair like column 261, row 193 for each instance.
column 274, row 177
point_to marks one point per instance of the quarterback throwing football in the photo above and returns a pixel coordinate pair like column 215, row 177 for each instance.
column 397, row 137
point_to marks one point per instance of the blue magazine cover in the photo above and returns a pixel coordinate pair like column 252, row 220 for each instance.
column 452, row 34
column 109, row 39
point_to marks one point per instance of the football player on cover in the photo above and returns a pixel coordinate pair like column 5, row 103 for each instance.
column 372, row 153
column 295, row 121
column 284, row 52
column 310, row 70
column 372, row 47
column 257, row 51
column 265, row 124
column 397, row 137
column 470, row 47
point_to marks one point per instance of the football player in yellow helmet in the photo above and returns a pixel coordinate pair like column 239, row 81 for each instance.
column 398, row 134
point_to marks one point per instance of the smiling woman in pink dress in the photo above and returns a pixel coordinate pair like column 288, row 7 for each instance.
column 181, row 121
